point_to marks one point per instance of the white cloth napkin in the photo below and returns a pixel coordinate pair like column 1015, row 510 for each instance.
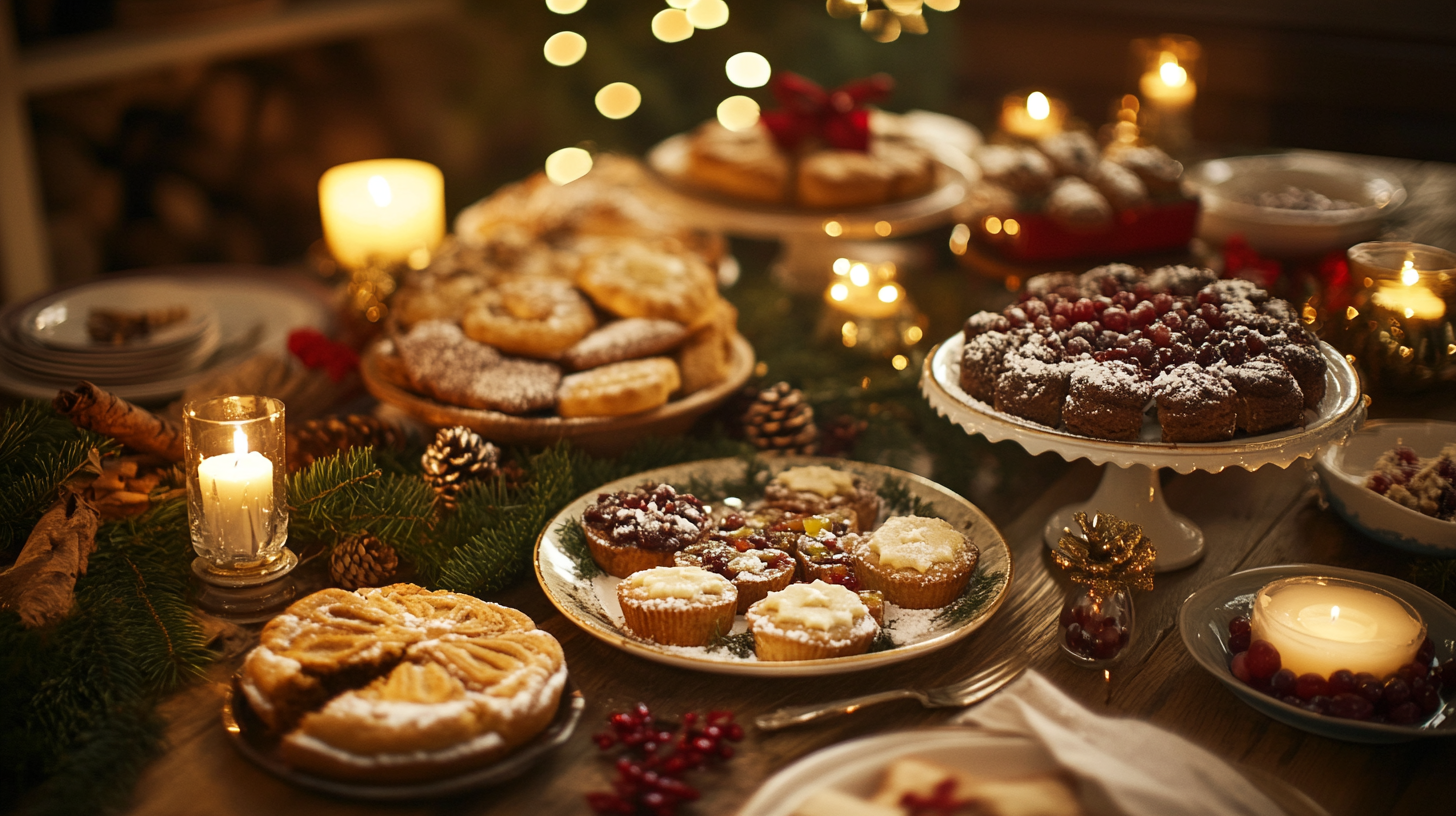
column 1139, row 769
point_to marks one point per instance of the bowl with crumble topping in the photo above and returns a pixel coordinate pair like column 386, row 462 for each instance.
column 1395, row 481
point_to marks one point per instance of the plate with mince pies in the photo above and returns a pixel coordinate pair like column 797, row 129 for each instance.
column 1174, row 367
column 794, row 566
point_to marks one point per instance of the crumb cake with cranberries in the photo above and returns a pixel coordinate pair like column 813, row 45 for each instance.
column 643, row 528
column 1094, row 353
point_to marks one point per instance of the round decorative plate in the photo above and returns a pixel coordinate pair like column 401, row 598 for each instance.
column 588, row 597
column 600, row 435
column 854, row 768
column 1343, row 469
column 1339, row 413
column 59, row 321
column 669, row 161
column 1203, row 623
column 252, row 739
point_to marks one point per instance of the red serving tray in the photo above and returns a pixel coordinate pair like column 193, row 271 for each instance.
column 1154, row 228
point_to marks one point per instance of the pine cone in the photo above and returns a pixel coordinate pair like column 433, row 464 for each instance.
column 780, row 421
column 457, row 457
column 320, row 438
column 362, row 561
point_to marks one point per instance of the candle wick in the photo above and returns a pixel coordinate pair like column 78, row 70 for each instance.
column 1334, row 613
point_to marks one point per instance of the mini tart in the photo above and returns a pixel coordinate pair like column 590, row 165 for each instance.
column 819, row 489
column 754, row 571
column 919, row 563
column 639, row 529
column 678, row 606
column 810, row 622
column 821, row 546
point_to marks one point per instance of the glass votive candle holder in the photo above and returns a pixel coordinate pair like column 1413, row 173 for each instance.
column 1321, row 625
column 1398, row 325
column 237, row 489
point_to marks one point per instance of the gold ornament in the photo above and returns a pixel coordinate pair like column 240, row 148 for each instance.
column 886, row 20
column 1110, row 553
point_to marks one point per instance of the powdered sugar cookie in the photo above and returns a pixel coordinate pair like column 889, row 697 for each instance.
column 442, row 362
column 618, row 389
column 624, row 340
column 535, row 317
column 648, row 283
column 706, row 356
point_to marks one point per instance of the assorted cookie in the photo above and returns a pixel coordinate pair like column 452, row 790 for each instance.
column 546, row 291
column 1107, row 352
column 812, row 579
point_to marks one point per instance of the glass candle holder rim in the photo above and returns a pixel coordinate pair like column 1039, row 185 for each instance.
column 194, row 410
column 1364, row 255
column 1347, row 583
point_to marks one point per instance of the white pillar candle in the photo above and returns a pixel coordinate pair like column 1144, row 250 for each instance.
column 383, row 211
column 1322, row 625
column 237, row 499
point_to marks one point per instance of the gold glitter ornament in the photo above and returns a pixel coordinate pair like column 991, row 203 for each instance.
column 1109, row 554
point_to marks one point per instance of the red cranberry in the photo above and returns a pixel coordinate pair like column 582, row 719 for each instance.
column 1263, row 659
column 1351, row 707
column 1126, row 300
column 1042, row 323
column 1240, row 642
column 1115, row 354
column 1162, row 302
column 1379, row 482
column 1061, row 323
column 1310, row 685
column 1397, row 691
column 1116, row 319
column 1428, row 697
column 1143, row 314
column 1035, row 308
column 1368, row 687
column 1406, row 713
column 1082, row 311
column 1426, row 652
column 1284, row 682
column 1172, row 321
column 1063, row 308
column 1016, row 317
column 1197, row 329
column 1342, row 682
column 1410, row 671
column 1240, row 667
column 1162, row 335
column 1448, row 675
column 1077, row 346
column 1208, row 296
column 1142, row 290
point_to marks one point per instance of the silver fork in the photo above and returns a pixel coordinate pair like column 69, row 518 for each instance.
column 967, row 692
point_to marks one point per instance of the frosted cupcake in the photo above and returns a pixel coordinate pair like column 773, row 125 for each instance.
column 919, row 563
column 678, row 606
column 811, row 621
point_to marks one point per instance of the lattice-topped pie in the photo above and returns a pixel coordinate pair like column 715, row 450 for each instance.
column 401, row 684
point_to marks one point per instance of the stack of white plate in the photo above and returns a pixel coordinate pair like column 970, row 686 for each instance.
column 232, row 312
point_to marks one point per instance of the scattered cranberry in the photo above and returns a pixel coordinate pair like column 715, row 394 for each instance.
column 1162, row 335
column 1351, row 707
column 1116, row 319
column 1406, row 713
column 1240, row 642
column 1082, row 311
column 1310, row 685
column 1285, row 682
column 1342, row 682
column 1240, row 667
column 648, row 773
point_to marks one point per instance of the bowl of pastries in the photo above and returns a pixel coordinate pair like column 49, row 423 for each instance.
column 576, row 312
column 1066, row 196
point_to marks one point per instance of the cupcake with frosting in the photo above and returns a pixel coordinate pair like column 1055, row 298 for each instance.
column 809, row 622
column 678, row 606
column 917, row 562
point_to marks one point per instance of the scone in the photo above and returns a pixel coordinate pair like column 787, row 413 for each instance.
column 638, row 529
column 919, row 563
column 810, row 622
column 818, row 489
column 678, row 606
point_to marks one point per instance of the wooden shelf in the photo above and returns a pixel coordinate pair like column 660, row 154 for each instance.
column 94, row 57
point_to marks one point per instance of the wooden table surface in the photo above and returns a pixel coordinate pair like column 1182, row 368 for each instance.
column 1267, row 517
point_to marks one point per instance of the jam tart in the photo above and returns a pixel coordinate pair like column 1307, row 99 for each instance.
column 754, row 571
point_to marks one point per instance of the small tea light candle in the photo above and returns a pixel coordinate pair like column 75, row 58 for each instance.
column 1322, row 625
column 1167, row 84
column 383, row 212
column 865, row 290
column 1409, row 297
column 1032, row 116
column 237, row 497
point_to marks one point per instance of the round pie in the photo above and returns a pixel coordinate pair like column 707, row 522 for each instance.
column 400, row 684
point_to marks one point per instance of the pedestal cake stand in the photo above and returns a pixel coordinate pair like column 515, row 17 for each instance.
column 813, row 239
column 1131, row 490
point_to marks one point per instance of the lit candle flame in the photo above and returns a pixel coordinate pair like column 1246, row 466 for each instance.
column 1334, row 613
column 839, row 292
column 1408, row 274
column 1173, row 74
column 859, row 275
column 379, row 191
column 240, row 442
column 1038, row 106
column 888, row 293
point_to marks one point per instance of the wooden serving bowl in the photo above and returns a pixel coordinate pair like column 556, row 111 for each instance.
column 602, row 436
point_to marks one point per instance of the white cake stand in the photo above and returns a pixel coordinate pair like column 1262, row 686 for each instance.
column 1131, row 490
column 812, row 239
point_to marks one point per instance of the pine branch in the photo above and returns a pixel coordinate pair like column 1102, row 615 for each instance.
column 901, row 501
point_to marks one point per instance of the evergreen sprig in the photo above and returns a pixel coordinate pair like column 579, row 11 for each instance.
column 983, row 587
column 39, row 451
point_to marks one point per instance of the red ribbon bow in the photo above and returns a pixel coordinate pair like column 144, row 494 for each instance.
column 837, row 117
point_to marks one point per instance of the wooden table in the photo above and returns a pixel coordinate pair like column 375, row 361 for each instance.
column 1255, row 519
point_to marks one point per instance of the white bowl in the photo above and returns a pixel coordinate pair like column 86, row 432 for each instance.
column 1343, row 469
column 1224, row 186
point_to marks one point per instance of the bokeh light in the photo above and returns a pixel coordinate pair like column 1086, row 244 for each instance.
column 618, row 100
column 565, row 48
column 679, row 4
column 1038, row 106
column 899, row 361
column 748, row 70
column 565, row 6
column 671, row 25
column 738, row 113
column 567, row 165
column 707, row 14
column 944, row 5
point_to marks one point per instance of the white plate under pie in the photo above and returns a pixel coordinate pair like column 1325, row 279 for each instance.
column 591, row 601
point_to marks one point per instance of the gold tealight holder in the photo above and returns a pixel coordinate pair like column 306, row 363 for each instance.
column 237, row 502
column 869, row 311
column 1398, row 326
